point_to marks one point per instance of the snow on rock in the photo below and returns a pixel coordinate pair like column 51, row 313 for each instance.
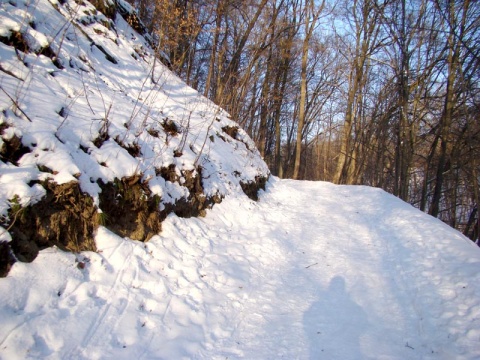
column 88, row 103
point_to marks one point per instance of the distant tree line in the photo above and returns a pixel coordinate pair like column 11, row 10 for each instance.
column 377, row 92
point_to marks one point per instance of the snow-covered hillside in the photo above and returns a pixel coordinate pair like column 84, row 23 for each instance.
column 311, row 271
column 86, row 109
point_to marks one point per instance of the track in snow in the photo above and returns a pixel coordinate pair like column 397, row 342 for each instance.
column 311, row 271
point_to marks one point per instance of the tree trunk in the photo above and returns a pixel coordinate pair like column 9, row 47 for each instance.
column 309, row 28
column 447, row 114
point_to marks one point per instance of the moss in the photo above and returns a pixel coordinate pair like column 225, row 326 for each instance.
column 102, row 218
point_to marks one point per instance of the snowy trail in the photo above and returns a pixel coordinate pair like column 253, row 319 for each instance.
column 315, row 293
column 311, row 271
column 336, row 281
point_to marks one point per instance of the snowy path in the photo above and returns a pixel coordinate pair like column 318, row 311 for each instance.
column 334, row 281
column 311, row 271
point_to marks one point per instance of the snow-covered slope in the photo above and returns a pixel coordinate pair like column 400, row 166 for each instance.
column 83, row 101
column 311, row 271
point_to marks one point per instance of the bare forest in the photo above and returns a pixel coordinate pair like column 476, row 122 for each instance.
column 382, row 93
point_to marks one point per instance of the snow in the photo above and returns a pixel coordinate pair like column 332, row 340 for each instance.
column 312, row 270
column 103, row 82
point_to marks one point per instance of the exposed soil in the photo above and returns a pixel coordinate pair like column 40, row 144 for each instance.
column 133, row 149
column 168, row 173
column 196, row 203
column 16, row 40
column 12, row 150
column 132, row 19
column 251, row 188
column 6, row 258
column 232, row 131
column 153, row 132
column 170, row 127
column 105, row 7
column 108, row 56
column 65, row 217
column 130, row 210
column 102, row 136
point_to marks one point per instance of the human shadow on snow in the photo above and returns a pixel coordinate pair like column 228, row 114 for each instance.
column 334, row 324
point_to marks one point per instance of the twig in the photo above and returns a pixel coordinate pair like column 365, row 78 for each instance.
column 408, row 346
column 10, row 73
column 306, row 267
column 206, row 136
column 16, row 104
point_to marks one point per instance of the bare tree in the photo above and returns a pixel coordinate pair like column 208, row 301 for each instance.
column 312, row 13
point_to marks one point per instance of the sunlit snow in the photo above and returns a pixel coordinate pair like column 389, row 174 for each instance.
column 310, row 271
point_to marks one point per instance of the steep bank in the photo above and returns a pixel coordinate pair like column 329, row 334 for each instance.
column 95, row 130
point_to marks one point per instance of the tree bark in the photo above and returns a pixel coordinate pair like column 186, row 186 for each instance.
column 309, row 28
